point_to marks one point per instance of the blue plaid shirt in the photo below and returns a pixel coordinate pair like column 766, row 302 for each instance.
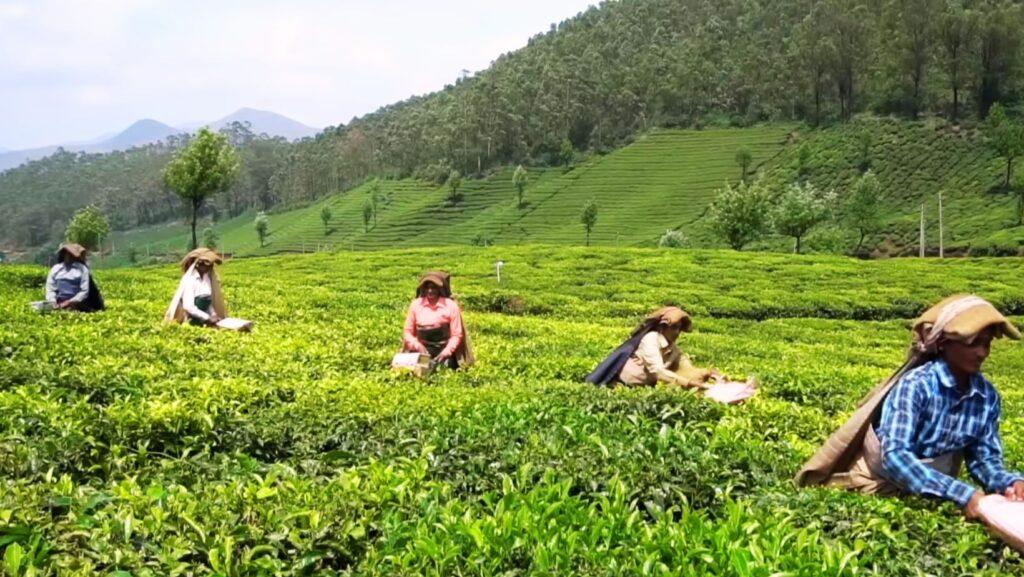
column 926, row 416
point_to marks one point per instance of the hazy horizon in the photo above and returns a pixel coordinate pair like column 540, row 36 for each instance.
column 72, row 72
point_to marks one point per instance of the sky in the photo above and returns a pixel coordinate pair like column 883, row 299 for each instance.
column 75, row 70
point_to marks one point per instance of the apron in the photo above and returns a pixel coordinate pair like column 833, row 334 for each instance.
column 67, row 288
column 202, row 303
column 435, row 339
column 867, row 475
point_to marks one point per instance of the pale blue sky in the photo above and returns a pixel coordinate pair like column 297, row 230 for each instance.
column 76, row 69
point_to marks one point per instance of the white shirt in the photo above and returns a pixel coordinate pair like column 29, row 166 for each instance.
column 196, row 285
column 649, row 355
column 76, row 272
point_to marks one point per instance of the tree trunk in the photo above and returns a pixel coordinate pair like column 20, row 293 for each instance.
column 1020, row 207
column 195, row 213
column 797, row 251
column 1009, row 171
column 859, row 242
column 956, row 104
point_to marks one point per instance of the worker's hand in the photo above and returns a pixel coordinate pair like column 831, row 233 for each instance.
column 442, row 357
column 63, row 305
column 214, row 319
column 971, row 509
column 420, row 348
column 1015, row 492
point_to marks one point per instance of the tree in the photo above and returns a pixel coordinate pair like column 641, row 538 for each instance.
column 210, row 237
column 566, row 153
column 814, row 53
column 262, row 223
column 999, row 40
column 589, row 217
column 325, row 216
column 1018, row 190
column 914, row 36
column 744, row 159
column 376, row 198
column 454, row 182
column 863, row 209
column 799, row 209
column 88, row 228
column 1006, row 138
column 206, row 166
column 957, row 34
column 520, row 178
column 367, row 214
column 740, row 214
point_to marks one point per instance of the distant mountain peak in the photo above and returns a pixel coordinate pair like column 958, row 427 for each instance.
column 266, row 121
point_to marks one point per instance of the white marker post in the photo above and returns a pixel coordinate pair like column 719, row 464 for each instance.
column 497, row 269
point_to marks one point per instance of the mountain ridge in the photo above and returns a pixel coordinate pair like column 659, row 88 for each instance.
column 148, row 131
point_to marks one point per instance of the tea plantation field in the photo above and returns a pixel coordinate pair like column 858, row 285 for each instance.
column 664, row 180
column 131, row 448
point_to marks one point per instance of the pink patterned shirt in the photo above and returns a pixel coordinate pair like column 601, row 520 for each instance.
column 424, row 315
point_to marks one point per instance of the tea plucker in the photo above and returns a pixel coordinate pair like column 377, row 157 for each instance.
column 433, row 324
column 69, row 284
column 651, row 354
column 199, row 298
column 937, row 411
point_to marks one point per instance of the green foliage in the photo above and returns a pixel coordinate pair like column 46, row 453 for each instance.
column 864, row 158
column 211, row 238
column 325, row 217
column 367, row 214
column 262, row 225
column 294, row 451
column 743, row 159
column 739, row 213
column 798, row 209
column 520, row 178
column 589, row 217
column 863, row 207
column 566, row 153
column 803, row 161
column 88, row 228
column 1006, row 137
column 207, row 166
column 453, row 183
column 672, row 239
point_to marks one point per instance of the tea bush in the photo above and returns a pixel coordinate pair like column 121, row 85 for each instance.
column 132, row 448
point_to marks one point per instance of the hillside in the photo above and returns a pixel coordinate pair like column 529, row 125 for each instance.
column 596, row 82
column 664, row 180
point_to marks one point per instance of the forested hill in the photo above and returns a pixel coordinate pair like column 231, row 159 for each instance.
column 593, row 82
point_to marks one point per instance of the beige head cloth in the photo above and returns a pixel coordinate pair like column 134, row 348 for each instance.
column 672, row 316
column 77, row 251
column 960, row 318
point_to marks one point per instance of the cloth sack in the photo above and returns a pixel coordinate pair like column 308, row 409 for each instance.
column 1004, row 518
column 731, row 393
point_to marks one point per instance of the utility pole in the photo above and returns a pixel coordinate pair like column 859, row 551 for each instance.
column 921, row 242
column 941, row 251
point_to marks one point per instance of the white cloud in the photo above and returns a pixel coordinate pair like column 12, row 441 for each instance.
column 72, row 69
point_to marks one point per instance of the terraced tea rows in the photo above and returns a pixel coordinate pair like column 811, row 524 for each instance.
column 126, row 446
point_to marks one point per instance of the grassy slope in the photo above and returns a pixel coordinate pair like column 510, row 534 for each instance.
column 665, row 180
